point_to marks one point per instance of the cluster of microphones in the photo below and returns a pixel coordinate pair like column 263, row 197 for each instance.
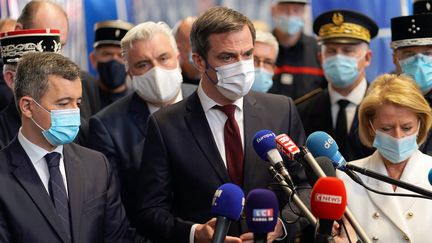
column 320, row 157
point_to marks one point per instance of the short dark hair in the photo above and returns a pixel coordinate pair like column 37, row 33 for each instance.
column 29, row 10
column 214, row 21
column 34, row 69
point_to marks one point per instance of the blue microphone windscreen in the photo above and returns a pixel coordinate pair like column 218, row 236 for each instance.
column 261, row 210
column 228, row 201
column 321, row 144
column 430, row 176
column 263, row 142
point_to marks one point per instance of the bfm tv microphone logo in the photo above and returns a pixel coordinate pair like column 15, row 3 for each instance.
column 262, row 215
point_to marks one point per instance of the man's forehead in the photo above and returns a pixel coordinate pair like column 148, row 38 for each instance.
column 342, row 45
column 414, row 48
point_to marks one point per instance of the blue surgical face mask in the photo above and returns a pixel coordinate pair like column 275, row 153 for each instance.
column 393, row 149
column 64, row 126
column 112, row 73
column 419, row 67
column 263, row 80
column 289, row 24
column 341, row 70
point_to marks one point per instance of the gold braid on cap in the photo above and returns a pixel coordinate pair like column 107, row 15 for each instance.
column 339, row 28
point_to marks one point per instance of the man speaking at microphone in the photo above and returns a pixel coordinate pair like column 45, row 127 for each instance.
column 200, row 143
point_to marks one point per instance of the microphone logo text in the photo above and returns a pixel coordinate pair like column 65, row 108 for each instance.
column 326, row 198
column 328, row 143
column 262, row 215
column 268, row 135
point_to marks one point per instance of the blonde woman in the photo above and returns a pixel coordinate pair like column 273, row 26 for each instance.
column 394, row 118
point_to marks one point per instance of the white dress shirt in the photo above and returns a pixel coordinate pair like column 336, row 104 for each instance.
column 36, row 155
column 355, row 98
column 216, row 120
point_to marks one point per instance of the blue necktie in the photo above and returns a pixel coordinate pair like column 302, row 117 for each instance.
column 57, row 190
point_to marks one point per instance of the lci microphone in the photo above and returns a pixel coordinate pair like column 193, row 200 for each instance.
column 328, row 203
column 262, row 212
column 227, row 206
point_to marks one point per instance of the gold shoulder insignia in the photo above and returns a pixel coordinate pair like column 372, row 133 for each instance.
column 307, row 96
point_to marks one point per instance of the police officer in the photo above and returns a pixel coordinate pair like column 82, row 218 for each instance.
column 344, row 36
column 107, row 60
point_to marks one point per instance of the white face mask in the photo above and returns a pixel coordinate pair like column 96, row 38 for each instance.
column 158, row 85
column 236, row 79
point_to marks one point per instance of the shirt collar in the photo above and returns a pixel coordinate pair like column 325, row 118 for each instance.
column 33, row 151
column 154, row 108
column 355, row 96
column 207, row 103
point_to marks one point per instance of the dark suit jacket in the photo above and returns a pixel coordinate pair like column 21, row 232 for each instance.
column 316, row 116
column 10, row 123
column 182, row 168
column 27, row 213
column 118, row 131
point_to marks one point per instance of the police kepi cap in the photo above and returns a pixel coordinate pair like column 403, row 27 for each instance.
column 344, row 26
column 14, row 44
column 413, row 30
column 422, row 6
column 110, row 32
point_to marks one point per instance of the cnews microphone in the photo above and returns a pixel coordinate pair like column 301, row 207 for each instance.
column 320, row 173
column 322, row 144
column 262, row 212
column 328, row 203
column 227, row 205
column 265, row 146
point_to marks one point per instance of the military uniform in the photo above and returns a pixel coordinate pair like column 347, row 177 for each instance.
column 315, row 108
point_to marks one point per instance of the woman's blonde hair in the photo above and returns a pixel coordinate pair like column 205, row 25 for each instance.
column 399, row 90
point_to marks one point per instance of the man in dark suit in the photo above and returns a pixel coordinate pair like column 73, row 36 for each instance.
column 118, row 131
column 345, row 54
column 51, row 189
column 185, row 156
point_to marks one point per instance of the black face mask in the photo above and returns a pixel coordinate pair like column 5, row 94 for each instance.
column 112, row 74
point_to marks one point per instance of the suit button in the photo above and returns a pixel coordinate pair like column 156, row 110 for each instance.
column 410, row 215
column 405, row 237
column 375, row 238
column 376, row 215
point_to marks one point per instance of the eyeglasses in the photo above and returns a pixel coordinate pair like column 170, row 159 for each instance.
column 264, row 62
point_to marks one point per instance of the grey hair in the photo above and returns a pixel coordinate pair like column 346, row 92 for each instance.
column 267, row 38
column 34, row 69
column 145, row 31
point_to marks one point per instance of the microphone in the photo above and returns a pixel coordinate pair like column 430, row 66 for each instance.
column 227, row 205
column 430, row 177
column 328, row 203
column 322, row 144
column 262, row 212
column 265, row 146
column 326, row 165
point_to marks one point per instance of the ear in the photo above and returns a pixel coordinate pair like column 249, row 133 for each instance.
column 93, row 60
column 396, row 62
column 200, row 63
column 319, row 56
column 368, row 58
column 18, row 26
column 8, row 77
column 26, row 106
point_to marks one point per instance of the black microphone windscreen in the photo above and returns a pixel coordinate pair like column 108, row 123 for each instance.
column 326, row 165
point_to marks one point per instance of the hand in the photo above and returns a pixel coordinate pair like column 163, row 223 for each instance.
column 277, row 233
column 204, row 233
column 341, row 235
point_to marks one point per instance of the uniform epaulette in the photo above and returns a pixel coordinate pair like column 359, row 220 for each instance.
column 307, row 96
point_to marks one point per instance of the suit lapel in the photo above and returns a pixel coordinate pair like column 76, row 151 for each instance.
column 252, row 124
column 75, row 188
column 27, row 176
column 139, row 112
column 200, row 129
column 387, row 204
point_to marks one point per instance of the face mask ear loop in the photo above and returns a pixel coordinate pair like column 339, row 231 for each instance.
column 373, row 128
column 32, row 116
column 207, row 67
